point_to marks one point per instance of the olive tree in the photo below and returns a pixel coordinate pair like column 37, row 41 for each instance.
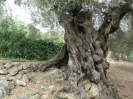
column 85, row 49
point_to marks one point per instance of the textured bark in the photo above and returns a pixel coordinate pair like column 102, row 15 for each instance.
column 86, row 54
column 59, row 60
column 87, row 49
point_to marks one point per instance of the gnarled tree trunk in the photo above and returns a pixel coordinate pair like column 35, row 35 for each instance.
column 86, row 50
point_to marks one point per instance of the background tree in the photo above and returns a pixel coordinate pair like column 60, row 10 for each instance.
column 85, row 48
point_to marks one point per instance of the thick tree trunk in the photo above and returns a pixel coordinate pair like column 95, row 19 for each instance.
column 86, row 51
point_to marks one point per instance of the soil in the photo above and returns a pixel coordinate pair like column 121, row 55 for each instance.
column 120, row 73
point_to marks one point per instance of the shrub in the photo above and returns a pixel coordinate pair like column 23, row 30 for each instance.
column 16, row 45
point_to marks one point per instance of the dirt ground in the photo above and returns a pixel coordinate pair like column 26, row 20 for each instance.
column 120, row 73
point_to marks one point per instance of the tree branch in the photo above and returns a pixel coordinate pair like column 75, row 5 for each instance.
column 112, row 19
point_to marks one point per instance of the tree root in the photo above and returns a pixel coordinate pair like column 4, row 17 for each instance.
column 59, row 60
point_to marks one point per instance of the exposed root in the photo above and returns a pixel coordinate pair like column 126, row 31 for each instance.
column 59, row 60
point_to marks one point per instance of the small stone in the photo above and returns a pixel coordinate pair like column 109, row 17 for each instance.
column 25, row 78
column 20, row 67
column 3, row 72
column 70, row 96
column 13, row 70
column 53, row 91
column 20, row 83
column 63, row 68
column 58, row 75
column 36, row 80
column 23, row 97
column 3, row 78
column 36, row 97
column 4, row 87
column 8, row 65
column 83, row 95
column 19, row 76
column 26, row 66
column 51, row 87
column 44, row 87
column 44, row 96
column 9, row 78
column 11, row 85
column 87, row 86
column 125, row 95
column 1, row 66
column 1, row 93
column 55, row 72
column 94, row 91
column 16, row 64
column 23, row 72
column 34, row 67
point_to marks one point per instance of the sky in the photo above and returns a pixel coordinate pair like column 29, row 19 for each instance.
column 18, row 11
column 24, row 15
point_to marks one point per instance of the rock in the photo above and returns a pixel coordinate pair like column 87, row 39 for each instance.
column 26, row 66
column 1, row 66
column 8, row 65
column 53, row 91
column 12, row 85
column 83, row 95
column 57, row 74
column 1, row 93
column 69, row 96
column 23, row 97
column 3, row 72
column 44, row 96
column 20, row 67
column 19, row 76
column 34, row 78
column 87, row 86
column 51, row 87
column 34, row 67
column 17, row 64
column 94, row 91
column 25, row 71
column 44, row 87
column 9, row 77
column 20, row 83
column 13, row 70
column 4, row 88
column 63, row 68
column 36, row 97
column 2, row 78
column 25, row 78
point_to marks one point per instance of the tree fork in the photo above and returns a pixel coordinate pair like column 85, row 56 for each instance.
column 86, row 50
